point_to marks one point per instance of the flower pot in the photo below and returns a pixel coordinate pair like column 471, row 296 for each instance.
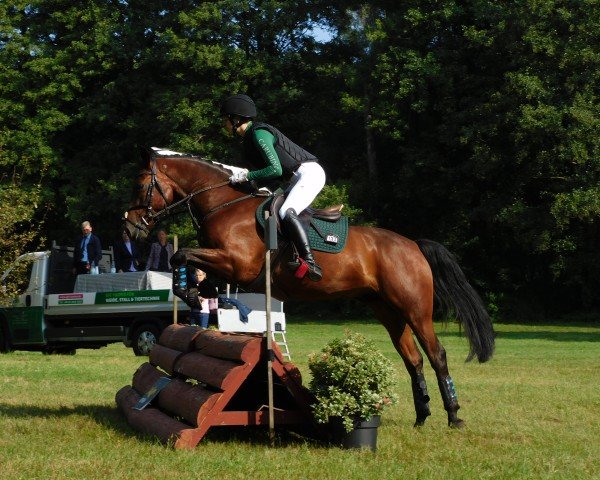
column 363, row 435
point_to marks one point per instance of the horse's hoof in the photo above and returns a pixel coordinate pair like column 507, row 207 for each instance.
column 458, row 423
column 421, row 417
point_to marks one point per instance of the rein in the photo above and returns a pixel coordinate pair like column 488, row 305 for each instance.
column 155, row 217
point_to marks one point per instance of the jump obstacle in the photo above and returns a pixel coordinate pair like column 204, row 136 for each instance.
column 212, row 379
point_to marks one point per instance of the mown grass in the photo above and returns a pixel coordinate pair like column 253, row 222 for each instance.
column 533, row 411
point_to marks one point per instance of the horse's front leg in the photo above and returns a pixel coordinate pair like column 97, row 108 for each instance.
column 213, row 261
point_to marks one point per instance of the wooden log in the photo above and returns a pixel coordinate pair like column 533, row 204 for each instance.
column 244, row 348
column 186, row 401
column 150, row 421
column 165, row 357
column 144, row 377
column 179, row 337
column 178, row 397
column 215, row 372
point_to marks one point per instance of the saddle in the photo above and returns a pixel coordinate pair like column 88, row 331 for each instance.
column 327, row 228
column 329, row 214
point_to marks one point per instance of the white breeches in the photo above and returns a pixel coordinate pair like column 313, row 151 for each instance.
column 306, row 184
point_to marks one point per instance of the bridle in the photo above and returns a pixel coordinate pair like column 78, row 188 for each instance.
column 152, row 216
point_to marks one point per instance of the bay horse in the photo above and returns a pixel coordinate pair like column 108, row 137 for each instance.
column 402, row 280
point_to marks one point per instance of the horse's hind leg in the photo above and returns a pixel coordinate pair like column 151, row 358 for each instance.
column 418, row 316
column 418, row 383
column 403, row 341
column 437, row 357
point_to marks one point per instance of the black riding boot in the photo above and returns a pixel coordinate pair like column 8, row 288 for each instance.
column 297, row 234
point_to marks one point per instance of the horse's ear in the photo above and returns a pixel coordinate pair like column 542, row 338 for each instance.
column 145, row 155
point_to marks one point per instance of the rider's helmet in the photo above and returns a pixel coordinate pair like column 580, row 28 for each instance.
column 240, row 105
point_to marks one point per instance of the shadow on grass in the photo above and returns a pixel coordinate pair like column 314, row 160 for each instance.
column 101, row 414
column 256, row 435
column 112, row 419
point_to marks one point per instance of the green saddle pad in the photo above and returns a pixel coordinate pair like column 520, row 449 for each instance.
column 323, row 239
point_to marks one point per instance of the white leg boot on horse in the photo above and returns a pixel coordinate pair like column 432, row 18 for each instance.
column 299, row 238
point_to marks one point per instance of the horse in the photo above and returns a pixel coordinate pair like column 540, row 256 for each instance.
column 403, row 281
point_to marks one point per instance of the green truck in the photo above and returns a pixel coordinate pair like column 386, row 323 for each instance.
column 56, row 312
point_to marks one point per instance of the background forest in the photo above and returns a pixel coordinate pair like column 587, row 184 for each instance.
column 474, row 123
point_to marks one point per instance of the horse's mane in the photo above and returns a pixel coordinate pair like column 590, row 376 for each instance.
column 221, row 167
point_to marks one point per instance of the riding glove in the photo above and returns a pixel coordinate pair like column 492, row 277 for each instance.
column 239, row 177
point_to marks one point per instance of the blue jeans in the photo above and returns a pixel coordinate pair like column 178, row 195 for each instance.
column 199, row 318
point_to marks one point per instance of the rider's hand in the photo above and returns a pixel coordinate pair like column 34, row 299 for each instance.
column 239, row 177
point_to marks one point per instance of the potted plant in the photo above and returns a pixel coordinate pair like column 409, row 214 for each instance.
column 352, row 383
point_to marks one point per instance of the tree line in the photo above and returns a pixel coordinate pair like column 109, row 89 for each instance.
column 473, row 123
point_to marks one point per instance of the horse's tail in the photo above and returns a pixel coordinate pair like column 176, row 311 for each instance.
column 454, row 294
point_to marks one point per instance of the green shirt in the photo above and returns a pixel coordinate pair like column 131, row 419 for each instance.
column 264, row 141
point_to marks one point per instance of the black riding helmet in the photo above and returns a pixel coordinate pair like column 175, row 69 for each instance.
column 240, row 105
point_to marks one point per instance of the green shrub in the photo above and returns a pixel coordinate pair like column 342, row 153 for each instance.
column 350, row 380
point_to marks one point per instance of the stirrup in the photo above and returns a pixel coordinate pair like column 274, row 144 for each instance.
column 306, row 269
column 295, row 263
column 314, row 272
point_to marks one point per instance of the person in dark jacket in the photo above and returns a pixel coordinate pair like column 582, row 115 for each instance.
column 88, row 250
column 127, row 256
column 274, row 157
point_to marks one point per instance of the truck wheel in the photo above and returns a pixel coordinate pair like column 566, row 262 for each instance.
column 144, row 338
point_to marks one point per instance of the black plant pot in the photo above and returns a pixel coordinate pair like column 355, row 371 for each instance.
column 363, row 435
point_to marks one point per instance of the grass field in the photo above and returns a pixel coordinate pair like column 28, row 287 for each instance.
column 533, row 411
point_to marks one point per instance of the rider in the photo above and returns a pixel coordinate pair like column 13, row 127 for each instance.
column 274, row 156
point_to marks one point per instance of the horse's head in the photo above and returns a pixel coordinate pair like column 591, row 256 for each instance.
column 153, row 192
column 170, row 182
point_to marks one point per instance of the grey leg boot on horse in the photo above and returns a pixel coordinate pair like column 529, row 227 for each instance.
column 306, row 265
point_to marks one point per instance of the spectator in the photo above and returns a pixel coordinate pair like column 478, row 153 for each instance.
column 88, row 250
column 127, row 256
column 207, row 293
column 160, row 254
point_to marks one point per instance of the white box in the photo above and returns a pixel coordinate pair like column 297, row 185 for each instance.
column 229, row 321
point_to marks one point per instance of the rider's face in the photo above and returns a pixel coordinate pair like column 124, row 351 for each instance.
column 227, row 124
